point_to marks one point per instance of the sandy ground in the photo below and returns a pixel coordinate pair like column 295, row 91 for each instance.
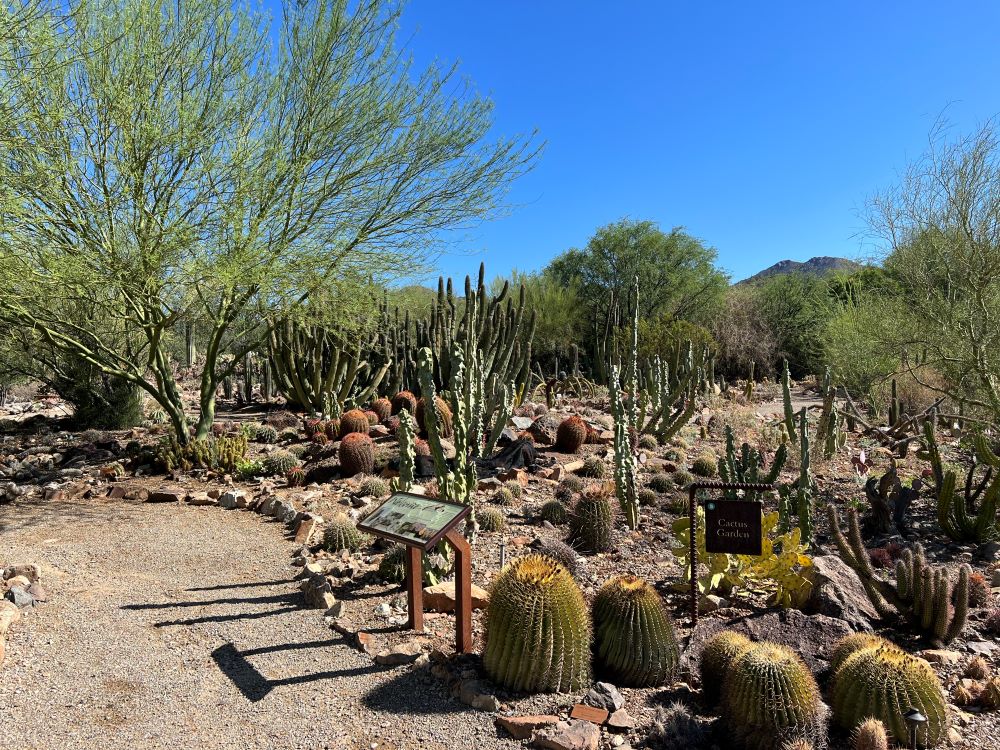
column 170, row 626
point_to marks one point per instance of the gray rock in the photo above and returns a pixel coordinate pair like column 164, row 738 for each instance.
column 544, row 429
column 604, row 695
column 21, row 598
column 522, row 423
column 838, row 592
column 234, row 499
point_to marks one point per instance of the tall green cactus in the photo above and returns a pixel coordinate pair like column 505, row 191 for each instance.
column 748, row 393
column 537, row 628
column 786, row 395
column 407, row 452
column 797, row 499
column 922, row 595
column 626, row 464
column 635, row 639
column 746, row 466
column 958, row 514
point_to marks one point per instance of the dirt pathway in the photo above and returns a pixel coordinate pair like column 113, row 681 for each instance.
column 174, row 627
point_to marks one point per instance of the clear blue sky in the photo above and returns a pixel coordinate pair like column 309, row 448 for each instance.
column 760, row 127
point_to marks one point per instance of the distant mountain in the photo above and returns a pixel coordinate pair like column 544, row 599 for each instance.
column 820, row 266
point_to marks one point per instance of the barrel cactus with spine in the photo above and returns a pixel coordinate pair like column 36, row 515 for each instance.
column 884, row 682
column 634, row 636
column 554, row 512
column 392, row 566
column 357, row 454
column 592, row 520
column 280, row 463
column 491, row 519
column 403, row 400
column 444, row 416
column 354, row 421
column 537, row 629
column 770, row 697
column 717, row 655
column 382, row 408
column 571, row 435
column 870, row 735
column 341, row 534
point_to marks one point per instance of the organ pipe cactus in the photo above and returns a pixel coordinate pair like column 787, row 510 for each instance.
column 770, row 697
column 626, row 463
column 884, row 682
column 537, row 628
column 922, row 595
column 746, row 466
column 634, row 637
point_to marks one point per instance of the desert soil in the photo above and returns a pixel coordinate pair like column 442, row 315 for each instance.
column 171, row 626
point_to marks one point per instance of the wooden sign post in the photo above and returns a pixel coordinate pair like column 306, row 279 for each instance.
column 732, row 526
column 421, row 523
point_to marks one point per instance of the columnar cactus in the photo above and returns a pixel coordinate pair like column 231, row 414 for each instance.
column 921, row 594
column 357, row 454
column 353, row 421
column 571, row 435
column 953, row 509
column 717, row 657
column 538, row 628
column 634, row 637
column 407, row 434
column 884, row 682
column 797, row 499
column 592, row 520
column 770, row 697
column 444, row 417
column 746, row 466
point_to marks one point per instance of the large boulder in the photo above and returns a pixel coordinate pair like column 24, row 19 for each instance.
column 812, row 636
column 838, row 592
column 544, row 429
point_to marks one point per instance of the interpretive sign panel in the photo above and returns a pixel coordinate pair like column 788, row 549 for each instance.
column 733, row 526
column 414, row 520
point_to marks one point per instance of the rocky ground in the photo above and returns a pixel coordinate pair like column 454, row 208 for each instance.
column 159, row 610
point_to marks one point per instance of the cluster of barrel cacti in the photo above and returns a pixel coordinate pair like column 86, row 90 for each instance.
column 768, row 695
column 922, row 595
column 874, row 679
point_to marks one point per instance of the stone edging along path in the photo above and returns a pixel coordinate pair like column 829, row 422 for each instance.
column 21, row 589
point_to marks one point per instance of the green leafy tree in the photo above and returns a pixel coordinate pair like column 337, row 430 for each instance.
column 184, row 161
column 797, row 308
column 939, row 229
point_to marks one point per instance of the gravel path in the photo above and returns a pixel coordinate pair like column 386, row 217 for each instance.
column 176, row 627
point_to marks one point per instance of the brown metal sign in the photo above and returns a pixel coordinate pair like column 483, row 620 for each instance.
column 733, row 526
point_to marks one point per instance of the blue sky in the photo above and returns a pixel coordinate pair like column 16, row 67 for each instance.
column 760, row 127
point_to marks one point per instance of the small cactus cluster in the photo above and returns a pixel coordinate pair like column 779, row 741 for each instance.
column 770, row 697
column 357, row 454
column 634, row 637
column 354, row 421
column 554, row 512
column 705, row 466
column 221, row 454
column 247, row 470
column 392, row 566
column 594, row 467
column 266, row 434
column 382, row 407
column 660, row 483
column 279, row 463
column 538, row 628
column 879, row 680
column 373, row 487
column 592, row 520
column 491, row 519
column 341, row 534
column 503, row 496
column 571, row 435
column 922, row 594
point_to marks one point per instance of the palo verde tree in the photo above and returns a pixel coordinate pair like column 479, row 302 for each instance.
column 184, row 160
column 940, row 230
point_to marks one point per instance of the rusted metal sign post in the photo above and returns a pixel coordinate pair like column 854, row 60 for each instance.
column 421, row 523
column 742, row 521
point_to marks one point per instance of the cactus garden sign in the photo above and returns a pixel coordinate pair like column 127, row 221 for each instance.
column 733, row 526
column 420, row 523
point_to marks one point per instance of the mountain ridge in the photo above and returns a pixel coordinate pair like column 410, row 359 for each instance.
column 821, row 265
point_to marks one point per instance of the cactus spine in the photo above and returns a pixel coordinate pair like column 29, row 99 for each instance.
column 770, row 697
column 884, row 682
column 634, row 636
column 538, row 628
column 921, row 594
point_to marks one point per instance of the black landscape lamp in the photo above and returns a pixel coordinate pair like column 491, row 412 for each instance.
column 914, row 720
